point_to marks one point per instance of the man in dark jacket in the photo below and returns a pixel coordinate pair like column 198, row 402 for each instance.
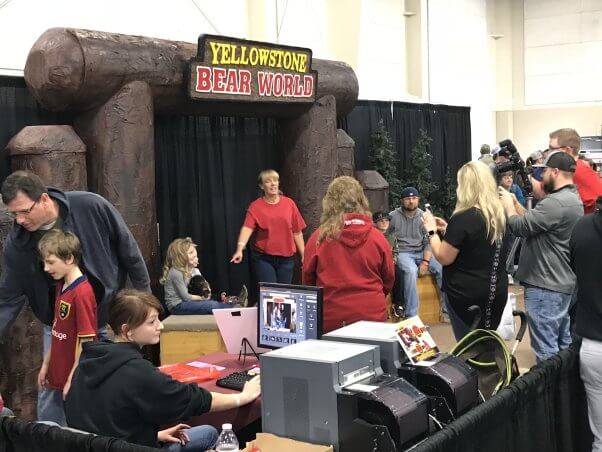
column 109, row 251
column 586, row 261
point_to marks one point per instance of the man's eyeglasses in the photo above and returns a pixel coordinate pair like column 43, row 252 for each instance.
column 558, row 148
column 22, row 212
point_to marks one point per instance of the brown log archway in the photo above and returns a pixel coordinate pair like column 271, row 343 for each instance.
column 115, row 83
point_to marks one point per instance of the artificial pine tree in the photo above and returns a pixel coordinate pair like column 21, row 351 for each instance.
column 384, row 161
column 419, row 171
column 448, row 195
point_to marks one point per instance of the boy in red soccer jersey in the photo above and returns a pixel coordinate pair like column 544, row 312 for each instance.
column 74, row 317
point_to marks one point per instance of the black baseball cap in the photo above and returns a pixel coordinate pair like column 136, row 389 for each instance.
column 377, row 216
column 560, row 160
column 409, row 192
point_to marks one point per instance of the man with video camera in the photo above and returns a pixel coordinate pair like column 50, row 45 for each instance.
column 544, row 267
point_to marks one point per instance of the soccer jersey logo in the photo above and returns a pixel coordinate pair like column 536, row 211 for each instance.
column 64, row 309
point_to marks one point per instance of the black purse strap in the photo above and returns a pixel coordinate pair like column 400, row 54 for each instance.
column 493, row 283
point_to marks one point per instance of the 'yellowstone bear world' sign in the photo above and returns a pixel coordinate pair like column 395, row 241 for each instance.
column 249, row 71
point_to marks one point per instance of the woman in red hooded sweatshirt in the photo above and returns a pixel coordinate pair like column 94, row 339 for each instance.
column 349, row 258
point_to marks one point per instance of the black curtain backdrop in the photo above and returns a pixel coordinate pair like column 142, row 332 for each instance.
column 206, row 176
column 448, row 126
column 18, row 109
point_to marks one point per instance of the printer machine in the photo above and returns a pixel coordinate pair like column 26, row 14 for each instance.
column 327, row 392
column 450, row 384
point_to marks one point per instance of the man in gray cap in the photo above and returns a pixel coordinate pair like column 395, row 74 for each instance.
column 414, row 255
column 544, row 266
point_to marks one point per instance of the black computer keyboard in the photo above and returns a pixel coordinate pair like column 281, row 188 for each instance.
column 235, row 380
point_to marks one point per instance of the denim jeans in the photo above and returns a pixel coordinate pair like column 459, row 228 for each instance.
column 198, row 307
column 408, row 262
column 50, row 401
column 459, row 328
column 590, row 357
column 274, row 269
column 548, row 319
column 201, row 438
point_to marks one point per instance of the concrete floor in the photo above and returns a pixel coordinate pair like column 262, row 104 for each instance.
column 444, row 337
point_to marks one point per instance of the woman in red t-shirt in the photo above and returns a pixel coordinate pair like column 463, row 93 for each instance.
column 278, row 227
column 349, row 258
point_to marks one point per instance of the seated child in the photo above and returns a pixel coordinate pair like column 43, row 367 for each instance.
column 381, row 222
column 74, row 318
column 118, row 393
column 179, row 268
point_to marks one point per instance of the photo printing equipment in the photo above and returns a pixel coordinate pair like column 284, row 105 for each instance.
column 450, row 384
column 335, row 393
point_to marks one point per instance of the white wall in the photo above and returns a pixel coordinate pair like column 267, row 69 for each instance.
column 301, row 24
column 461, row 65
column 381, row 66
column 563, row 44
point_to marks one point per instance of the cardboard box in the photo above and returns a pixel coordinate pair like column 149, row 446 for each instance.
column 266, row 442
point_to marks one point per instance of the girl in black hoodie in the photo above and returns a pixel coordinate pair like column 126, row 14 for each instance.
column 116, row 392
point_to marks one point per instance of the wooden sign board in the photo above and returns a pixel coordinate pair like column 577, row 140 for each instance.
column 233, row 69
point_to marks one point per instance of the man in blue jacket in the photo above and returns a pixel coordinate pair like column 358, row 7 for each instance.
column 110, row 252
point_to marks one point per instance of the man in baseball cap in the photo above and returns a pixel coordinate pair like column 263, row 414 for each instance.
column 543, row 267
column 414, row 255
column 560, row 161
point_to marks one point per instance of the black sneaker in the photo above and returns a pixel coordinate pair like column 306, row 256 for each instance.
column 398, row 311
column 243, row 297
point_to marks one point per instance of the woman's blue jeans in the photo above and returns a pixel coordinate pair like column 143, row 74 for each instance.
column 274, row 269
column 198, row 307
column 201, row 438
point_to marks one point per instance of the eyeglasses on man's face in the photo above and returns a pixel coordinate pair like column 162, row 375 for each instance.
column 558, row 148
column 22, row 212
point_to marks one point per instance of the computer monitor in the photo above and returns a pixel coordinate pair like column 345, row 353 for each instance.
column 288, row 314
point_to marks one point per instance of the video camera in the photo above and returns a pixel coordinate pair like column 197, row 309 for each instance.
column 515, row 163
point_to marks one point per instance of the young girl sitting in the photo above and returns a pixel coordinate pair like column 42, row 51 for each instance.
column 116, row 392
column 179, row 268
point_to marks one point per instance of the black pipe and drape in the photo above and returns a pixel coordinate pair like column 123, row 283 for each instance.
column 448, row 126
column 206, row 172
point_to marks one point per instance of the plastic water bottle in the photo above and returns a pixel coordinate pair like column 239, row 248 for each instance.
column 226, row 441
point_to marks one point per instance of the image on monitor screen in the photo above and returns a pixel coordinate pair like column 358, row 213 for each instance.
column 288, row 314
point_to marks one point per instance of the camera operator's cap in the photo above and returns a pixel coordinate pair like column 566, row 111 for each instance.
column 408, row 192
column 377, row 216
column 560, row 160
